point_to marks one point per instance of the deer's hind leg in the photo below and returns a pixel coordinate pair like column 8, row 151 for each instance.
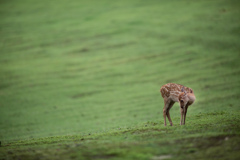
column 168, row 114
column 166, row 108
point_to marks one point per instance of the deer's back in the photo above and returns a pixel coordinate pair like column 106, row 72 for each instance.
column 173, row 89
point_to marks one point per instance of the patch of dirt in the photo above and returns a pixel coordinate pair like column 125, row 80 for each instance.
column 86, row 94
column 162, row 157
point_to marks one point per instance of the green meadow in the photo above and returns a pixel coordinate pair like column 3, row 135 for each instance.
column 81, row 79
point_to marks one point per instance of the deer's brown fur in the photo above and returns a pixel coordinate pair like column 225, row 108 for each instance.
column 172, row 93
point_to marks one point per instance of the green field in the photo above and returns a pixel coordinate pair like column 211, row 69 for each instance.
column 81, row 79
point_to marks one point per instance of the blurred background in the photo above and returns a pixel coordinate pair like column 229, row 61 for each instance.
column 77, row 67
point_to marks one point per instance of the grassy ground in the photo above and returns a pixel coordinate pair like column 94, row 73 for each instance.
column 81, row 80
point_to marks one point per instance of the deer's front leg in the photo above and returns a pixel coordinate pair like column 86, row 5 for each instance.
column 182, row 114
column 185, row 113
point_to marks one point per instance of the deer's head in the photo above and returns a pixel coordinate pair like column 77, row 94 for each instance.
column 183, row 98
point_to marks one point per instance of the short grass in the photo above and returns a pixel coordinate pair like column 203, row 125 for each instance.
column 81, row 79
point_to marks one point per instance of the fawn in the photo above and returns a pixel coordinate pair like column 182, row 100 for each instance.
column 172, row 93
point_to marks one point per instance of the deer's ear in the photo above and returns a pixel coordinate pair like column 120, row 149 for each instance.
column 183, row 89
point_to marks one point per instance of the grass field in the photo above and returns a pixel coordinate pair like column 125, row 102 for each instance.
column 81, row 79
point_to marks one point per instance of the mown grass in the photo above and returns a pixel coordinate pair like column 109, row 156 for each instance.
column 217, row 137
column 81, row 79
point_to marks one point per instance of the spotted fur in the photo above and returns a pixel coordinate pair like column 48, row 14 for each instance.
column 173, row 89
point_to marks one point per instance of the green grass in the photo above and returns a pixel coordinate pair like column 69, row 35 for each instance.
column 81, row 79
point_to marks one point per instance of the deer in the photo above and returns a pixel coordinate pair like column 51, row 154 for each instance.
column 171, row 93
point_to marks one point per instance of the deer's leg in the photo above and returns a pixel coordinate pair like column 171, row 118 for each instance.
column 185, row 113
column 168, row 114
column 182, row 113
column 166, row 104
column 164, row 116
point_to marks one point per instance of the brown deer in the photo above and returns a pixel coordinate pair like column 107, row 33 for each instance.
column 172, row 93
